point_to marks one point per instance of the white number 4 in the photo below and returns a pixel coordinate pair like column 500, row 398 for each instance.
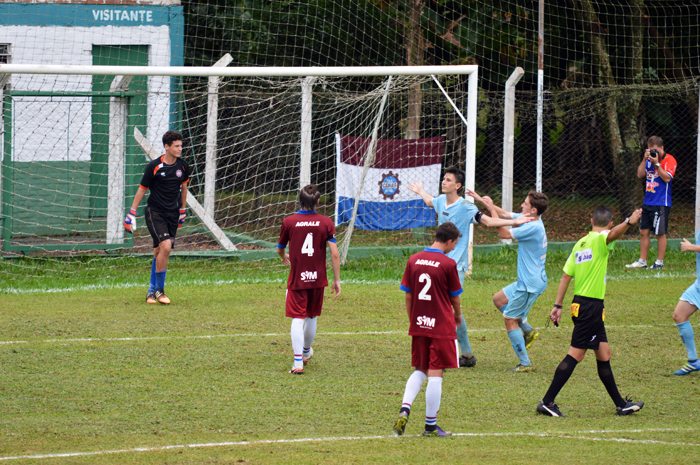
column 308, row 247
column 423, row 295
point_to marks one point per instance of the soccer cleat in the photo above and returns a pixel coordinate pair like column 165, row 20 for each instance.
column 467, row 362
column 688, row 368
column 657, row 266
column 522, row 368
column 630, row 407
column 151, row 298
column 161, row 297
column 437, row 432
column 400, row 425
column 637, row 264
column 530, row 338
column 550, row 409
column 311, row 354
column 296, row 371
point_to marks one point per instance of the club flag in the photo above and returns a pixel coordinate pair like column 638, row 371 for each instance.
column 385, row 202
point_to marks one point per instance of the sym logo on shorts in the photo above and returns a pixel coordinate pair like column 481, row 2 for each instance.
column 426, row 322
column 309, row 276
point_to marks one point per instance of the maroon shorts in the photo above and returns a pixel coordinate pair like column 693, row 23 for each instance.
column 304, row 303
column 434, row 354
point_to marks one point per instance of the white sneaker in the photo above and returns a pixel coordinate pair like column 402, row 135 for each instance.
column 308, row 357
column 637, row 264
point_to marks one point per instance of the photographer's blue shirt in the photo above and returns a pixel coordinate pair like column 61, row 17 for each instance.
column 658, row 192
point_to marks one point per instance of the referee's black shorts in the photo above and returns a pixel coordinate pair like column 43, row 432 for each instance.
column 162, row 225
column 588, row 315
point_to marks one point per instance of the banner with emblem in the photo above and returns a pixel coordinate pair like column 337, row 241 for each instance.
column 385, row 203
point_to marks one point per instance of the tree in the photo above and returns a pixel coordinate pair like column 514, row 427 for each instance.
column 621, row 108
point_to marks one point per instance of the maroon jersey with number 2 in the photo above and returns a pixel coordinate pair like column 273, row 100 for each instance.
column 307, row 232
column 431, row 277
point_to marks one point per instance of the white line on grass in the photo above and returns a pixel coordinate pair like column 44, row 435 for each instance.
column 555, row 435
column 246, row 335
column 281, row 281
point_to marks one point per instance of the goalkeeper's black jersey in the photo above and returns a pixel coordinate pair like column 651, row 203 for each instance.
column 165, row 181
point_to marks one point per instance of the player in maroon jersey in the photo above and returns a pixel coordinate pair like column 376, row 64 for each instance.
column 432, row 287
column 307, row 233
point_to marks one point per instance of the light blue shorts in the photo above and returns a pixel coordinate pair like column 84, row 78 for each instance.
column 519, row 302
column 692, row 295
column 461, row 272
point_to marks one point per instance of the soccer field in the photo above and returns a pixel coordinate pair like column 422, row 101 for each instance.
column 96, row 376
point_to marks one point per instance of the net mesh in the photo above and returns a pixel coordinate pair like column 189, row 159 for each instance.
column 635, row 60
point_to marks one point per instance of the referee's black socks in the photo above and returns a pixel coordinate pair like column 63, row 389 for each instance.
column 606, row 376
column 561, row 376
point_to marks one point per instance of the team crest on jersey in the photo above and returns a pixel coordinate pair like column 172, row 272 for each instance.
column 389, row 185
column 178, row 173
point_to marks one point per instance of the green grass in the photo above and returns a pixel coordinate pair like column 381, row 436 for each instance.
column 98, row 370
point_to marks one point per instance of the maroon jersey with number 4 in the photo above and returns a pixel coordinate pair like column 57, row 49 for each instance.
column 431, row 277
column 307, row 232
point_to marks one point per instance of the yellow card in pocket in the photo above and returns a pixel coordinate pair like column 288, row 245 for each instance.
column 574, row 310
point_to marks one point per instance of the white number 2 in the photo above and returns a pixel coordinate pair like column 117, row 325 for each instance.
column 308, row 247
column 423, row 295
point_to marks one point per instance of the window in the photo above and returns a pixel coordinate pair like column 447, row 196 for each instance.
column 6, row 57
column 5, row 54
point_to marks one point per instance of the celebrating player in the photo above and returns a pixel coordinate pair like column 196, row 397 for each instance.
column 688, row 303
column 450, row 207
column 432, row 287
column 165, row 212
column 515, row 300
column 588, row 264
column 307, row 233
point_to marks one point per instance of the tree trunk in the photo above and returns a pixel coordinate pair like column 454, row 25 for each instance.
column 621, row 109
column 415, row 56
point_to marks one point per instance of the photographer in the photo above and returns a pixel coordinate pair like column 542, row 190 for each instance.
column 659, row 168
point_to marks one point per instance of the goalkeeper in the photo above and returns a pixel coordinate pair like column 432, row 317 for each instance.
column 166, row 177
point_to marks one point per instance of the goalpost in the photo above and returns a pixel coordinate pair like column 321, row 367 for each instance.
column 254, row 136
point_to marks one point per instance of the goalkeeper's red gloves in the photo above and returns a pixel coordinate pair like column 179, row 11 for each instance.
column 183, row 215
column 130, row 221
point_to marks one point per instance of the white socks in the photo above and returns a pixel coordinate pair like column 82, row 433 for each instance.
column 297, row 333
column 413, row 385
column 433, row 395
column 309, row 331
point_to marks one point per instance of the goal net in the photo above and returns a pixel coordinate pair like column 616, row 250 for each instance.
column 75, row 147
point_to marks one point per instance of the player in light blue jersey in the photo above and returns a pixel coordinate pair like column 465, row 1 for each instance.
column 687, row 305
column 516, row 299
column 451, row 207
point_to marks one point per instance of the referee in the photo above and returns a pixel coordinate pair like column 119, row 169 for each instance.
column 166, row 177
column 588, row 263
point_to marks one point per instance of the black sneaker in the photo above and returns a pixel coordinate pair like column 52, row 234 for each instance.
column 400, row 425
column 630, row 407
column 467, row 362
column 550, row 409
